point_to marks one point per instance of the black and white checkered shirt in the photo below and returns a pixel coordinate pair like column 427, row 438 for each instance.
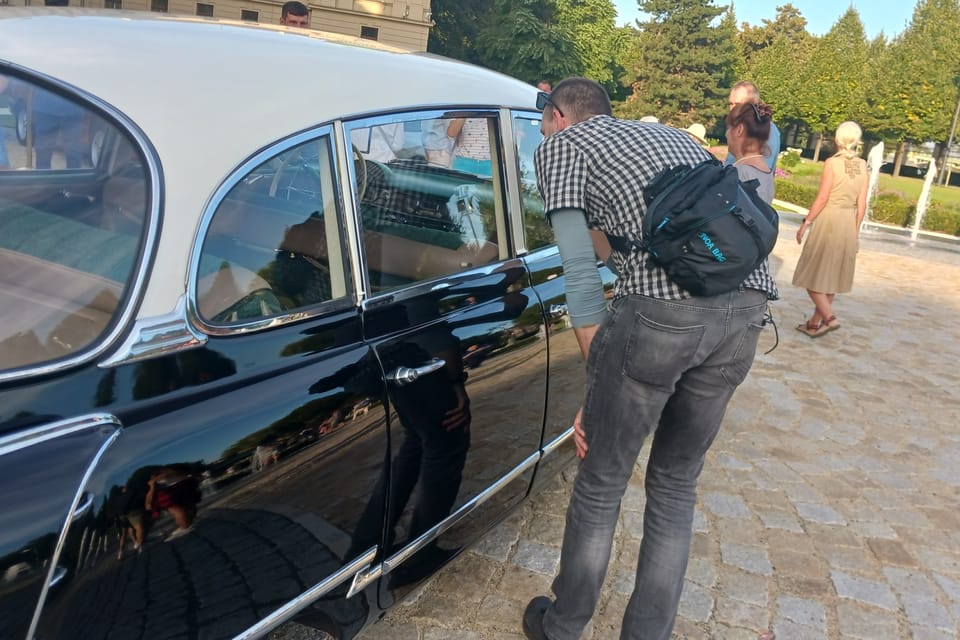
column 601, row 166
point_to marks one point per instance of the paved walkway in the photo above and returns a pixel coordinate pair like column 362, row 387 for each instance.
column 828, row 505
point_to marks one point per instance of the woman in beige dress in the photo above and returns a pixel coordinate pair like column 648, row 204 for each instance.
column 829, row 255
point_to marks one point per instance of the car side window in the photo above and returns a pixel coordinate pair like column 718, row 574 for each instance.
column 272, row 245
column 72, row 224
column 526, row 132
column 430, row 196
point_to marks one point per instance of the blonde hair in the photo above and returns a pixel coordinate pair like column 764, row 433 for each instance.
column 847, row 138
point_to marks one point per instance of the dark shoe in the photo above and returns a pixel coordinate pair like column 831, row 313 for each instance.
column 533, row 618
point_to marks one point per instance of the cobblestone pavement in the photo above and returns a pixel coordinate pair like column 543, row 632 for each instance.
column 828, row 505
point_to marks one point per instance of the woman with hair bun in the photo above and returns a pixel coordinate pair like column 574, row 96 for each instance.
column 748, row 130
column 829, row 255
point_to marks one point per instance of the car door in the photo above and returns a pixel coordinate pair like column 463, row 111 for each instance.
column 456, row 328
column 566, row 368
column 254, row 431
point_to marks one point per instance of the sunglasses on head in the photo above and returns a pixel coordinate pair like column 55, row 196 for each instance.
column 543, row 99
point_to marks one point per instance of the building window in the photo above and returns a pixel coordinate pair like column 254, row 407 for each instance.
column 249, row 16
column 56, row 3
column 158, row 5
column 205, row 10
column 370, row 33
column 113, row 4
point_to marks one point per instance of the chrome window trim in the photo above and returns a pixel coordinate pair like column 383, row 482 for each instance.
column 157, row 336
column 209, row 210
column 305, row 599
column 411, row 114
column 389, row 564
column 55, row 573
column 135, row 286
column 514, row 190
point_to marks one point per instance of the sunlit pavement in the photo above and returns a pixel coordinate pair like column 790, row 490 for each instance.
column 828, row 505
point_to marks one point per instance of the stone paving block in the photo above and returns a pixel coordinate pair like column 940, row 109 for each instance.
column 696, row 602
column 634, row 498
column 818, row 512
column 873, row 529
column 809, row 613
column 536, row 557
column 738, row 531
column 856, row 559
column 689, row 630
column 919, row 597
column 498, row 543
column 780, row 520
column 863, row 590
column 942, row 561
column 746, row 587
column 500, row 612
column 951, row 587
column 791, row 563
column 726, row 505
column 751, row 559
column 522, row 583
column 866, row 623
column 700, row 523
column 730, row 461
column 927, row 633
column 546, row 529
column 702, row 572
column 822, row 534
column 790, row 630
column 633, row 524
column 435, row 633
column 741, row 614
column 891, row 552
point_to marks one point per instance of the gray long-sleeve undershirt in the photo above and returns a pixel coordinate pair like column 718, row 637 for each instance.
column 584, row 289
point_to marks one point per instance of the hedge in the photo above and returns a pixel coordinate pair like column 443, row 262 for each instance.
column 887, row 207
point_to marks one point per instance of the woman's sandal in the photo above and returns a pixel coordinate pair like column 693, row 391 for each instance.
column 810, row 328
column 832, row 324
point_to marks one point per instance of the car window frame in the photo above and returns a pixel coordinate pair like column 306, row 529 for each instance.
column 136, row 285
column 506, row 225
column 349, row 299
column 523, row 247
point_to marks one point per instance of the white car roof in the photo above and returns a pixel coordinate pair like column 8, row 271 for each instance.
column 209, row 93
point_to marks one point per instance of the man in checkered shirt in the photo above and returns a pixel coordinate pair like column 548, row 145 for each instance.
column 660, row 363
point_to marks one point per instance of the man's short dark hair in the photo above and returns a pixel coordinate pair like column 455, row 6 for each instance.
column 294, row 7
column 581, row 98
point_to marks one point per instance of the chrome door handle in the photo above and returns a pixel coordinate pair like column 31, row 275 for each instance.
column 406, row 375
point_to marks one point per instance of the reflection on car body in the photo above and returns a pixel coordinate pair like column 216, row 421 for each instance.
column 280, row 366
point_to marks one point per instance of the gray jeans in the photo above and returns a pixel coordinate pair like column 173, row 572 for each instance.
column 667, row 367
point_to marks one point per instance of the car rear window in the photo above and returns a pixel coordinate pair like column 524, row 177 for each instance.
column 73, row 211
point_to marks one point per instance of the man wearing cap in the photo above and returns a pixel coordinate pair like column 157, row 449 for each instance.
column 660, row 363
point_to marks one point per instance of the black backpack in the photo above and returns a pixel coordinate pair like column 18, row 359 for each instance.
column 706, row 228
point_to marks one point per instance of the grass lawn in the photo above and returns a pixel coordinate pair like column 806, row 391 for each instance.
column 808, row 173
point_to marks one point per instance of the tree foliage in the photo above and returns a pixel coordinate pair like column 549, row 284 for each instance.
column 595, row 36
column 833, row 79
column 918, row 101
column 682, row 65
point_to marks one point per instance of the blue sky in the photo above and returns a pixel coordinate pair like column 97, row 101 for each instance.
column 889, row 16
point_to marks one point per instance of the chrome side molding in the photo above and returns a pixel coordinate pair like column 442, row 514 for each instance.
column 364, row 578
column 308, row 597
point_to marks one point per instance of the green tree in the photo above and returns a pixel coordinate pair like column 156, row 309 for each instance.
column 524, row 39
column 925, row 65
column 682, row 65
column 788, row 24
column 456, row 24
column 832, row 83
column 595, row 36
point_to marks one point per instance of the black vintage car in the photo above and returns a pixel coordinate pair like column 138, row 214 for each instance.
column 282, row 348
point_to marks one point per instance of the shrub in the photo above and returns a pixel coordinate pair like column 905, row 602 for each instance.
column 891, row 208
column 794, row 193
column 943, row 218
column 789, row 158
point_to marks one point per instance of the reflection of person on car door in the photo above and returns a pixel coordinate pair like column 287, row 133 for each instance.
column 435, row 413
